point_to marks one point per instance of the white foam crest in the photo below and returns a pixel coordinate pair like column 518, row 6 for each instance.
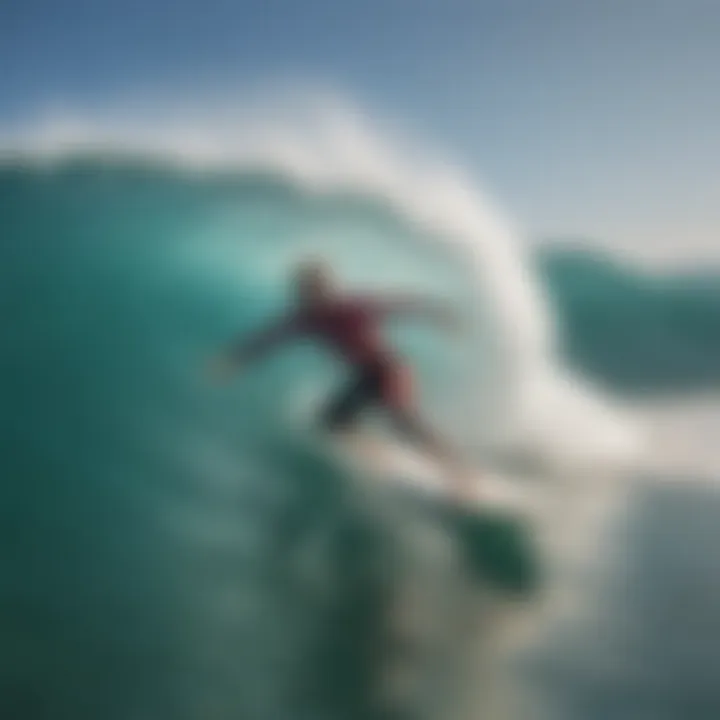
column 523, row 395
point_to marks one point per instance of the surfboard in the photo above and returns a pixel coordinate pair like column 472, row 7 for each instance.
column 391, row 461
column 490, row 521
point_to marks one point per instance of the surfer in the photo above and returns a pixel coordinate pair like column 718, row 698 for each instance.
column 351, row 326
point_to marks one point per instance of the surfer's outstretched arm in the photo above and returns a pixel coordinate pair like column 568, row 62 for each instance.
column 417, row 306
column 255, row 346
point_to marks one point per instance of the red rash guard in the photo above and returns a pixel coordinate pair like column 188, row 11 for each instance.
column 351, row 327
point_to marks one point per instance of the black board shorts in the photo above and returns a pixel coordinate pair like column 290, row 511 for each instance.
column 383, row 383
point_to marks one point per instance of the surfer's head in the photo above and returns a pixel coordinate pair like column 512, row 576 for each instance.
column 313, row 283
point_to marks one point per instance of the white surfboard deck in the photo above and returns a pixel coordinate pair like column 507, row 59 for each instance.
column 391, row 461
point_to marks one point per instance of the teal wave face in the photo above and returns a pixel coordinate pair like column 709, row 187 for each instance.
column 153, row 542
column 155, row 554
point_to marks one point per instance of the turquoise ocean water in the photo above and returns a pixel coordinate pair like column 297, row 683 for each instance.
column 172, row 549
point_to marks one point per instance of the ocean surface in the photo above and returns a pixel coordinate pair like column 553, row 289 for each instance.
column 175, row 549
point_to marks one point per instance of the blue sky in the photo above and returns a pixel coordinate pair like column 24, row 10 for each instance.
column 591, row 117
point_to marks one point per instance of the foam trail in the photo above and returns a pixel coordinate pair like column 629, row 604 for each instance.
column 523, row 396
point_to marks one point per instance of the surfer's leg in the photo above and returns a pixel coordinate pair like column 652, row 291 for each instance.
column 398, row 397
column 399, row 401
column 410, row 425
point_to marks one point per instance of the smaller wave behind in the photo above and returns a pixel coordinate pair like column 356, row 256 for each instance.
column 522, row 398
